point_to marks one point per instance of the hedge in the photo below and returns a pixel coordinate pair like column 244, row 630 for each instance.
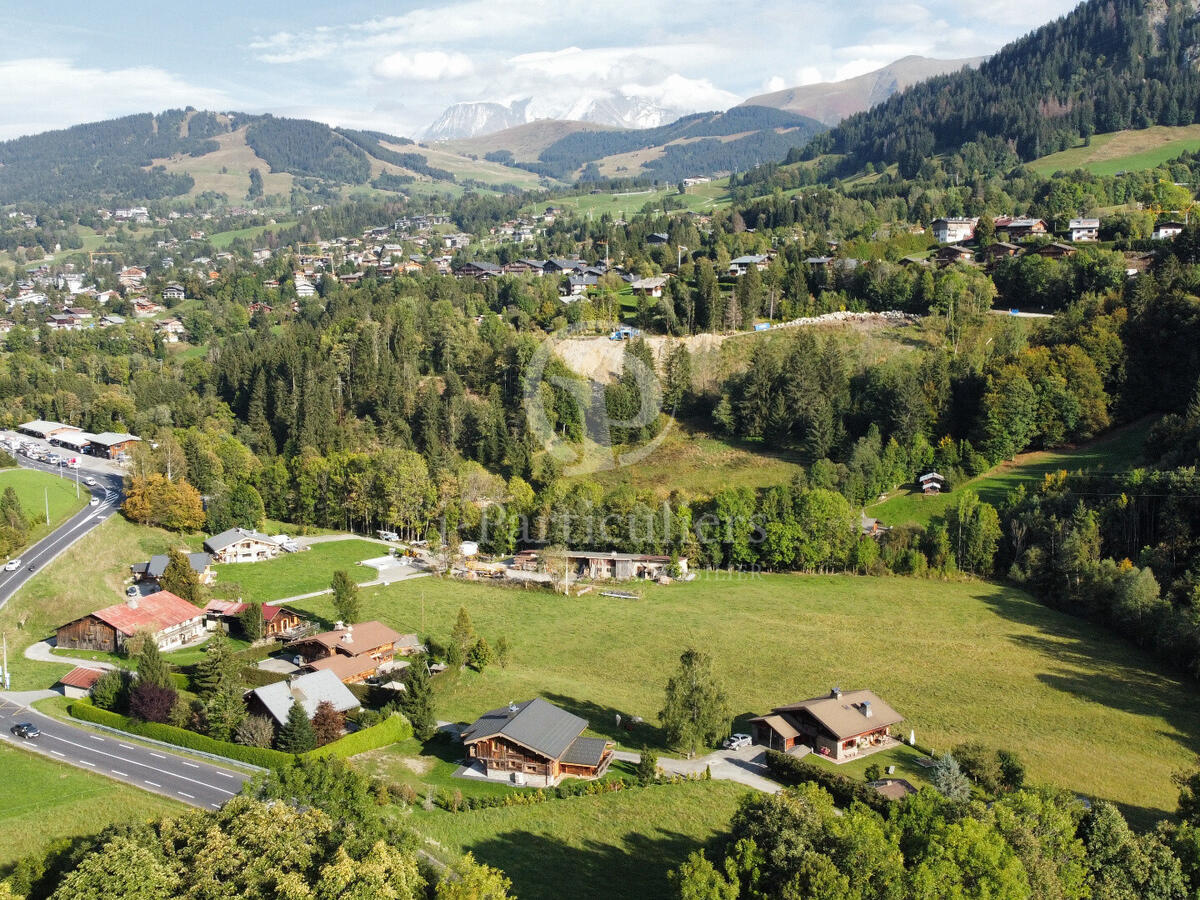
column 180, row 737
column 256, row 677
column 793, row 770
column 394, row 728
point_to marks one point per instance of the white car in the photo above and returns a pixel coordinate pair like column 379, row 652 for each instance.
column 89, row 481
column 12, row 565
column 737, row 742
column 95, row 501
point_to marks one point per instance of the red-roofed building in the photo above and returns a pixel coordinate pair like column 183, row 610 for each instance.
column 79, row 682
column 277, row 620
column 171, row 619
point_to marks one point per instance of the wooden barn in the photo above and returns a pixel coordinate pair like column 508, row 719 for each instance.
column 169, row 618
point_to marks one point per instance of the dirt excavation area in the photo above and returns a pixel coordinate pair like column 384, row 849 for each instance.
column 600, row 358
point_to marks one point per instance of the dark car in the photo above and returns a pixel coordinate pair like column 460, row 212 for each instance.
column 26, row 730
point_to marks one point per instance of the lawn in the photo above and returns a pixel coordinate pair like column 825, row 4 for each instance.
column 612, row 845
column 42, row 800
column 699, row 464
column 1114, row 452
column 35, row 489
column 1123, row 151
column 223, row 239
column 300, row 573
column 89, row 575
column 432, row 764
column 959, row 660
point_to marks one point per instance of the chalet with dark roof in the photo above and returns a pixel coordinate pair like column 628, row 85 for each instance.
column 536, row 743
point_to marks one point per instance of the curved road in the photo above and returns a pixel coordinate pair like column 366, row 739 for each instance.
column 192, row 782
column 109, row 490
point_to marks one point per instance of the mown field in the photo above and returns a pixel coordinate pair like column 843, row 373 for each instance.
column 42, row 800
column 614, row 845
column 963, row 660
column 1114, row 452
column 1123, row 151
column 38, row 489
column 300, row 573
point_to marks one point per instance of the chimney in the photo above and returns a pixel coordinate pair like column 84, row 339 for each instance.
column 132, row 602
column 866, row 708
column 339, row 626
column 512, row 707
column 836, row 693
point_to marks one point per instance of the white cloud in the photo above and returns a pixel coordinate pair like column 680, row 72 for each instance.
column 809, row 75
column 424, row 65
column 43, row 93
column 678, row 92
column 774, row 83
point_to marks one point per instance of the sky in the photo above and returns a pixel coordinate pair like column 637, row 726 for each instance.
column 395, row 67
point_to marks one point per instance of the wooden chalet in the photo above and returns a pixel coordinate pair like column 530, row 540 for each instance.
column 931, row 483
column 600, row 565
column 1000, row 250
column 1056, row 250
column 951, row 254
column 838, row 725
column 170, row 619
column 353, row 652
column 535, row 743
column 278, row 621
column 241, row 545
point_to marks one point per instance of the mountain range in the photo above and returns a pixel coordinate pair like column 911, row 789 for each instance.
column 827, row 102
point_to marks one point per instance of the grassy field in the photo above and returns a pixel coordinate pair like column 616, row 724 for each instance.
column 88, row 576
column 1123, row 151
column 35, row 489
column 223, row 239
column 1114, row 452
column 42, row 800
column 699, row 464
column 697, row 199
column 300, row 573
column 613, row 845
column 227, row 170
column 958, row 660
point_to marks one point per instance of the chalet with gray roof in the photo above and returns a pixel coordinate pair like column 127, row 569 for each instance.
column 152, row 569
column 241, row 545
column 275, row 700
column 536, row 743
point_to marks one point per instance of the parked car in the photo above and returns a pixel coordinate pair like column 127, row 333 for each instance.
column 12, row 565
column 54, row 459
column 737, row 742
column 26, row 730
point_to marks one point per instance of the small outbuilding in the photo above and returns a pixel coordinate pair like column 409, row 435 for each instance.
column 79, row 682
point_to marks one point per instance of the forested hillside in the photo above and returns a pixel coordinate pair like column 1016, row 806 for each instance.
column 105, row 158
column 1106, row 66
column 569, row 153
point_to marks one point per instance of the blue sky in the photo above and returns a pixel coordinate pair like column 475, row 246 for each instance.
column 396, row 66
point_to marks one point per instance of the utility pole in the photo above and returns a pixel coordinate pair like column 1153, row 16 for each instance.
column 46, row 492
column 7, row 682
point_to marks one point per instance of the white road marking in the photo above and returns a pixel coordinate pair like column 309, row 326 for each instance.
column 86, row 763
column 122, row 774
column 226, row 774
column 182, row 794
column 96, row 737
column 159, row 755
column 56, row 753
column 134, row 762
column 152, row 783
column 126, row 747
column 192, row 765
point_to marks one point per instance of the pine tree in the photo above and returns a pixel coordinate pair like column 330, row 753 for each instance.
column 296, row 735
column 481, row 655
column 224, row 710
column 151, row 667
column 463, row 635
column 217, row 667
column 416, row 702
column 345, row 597
column 181, row 579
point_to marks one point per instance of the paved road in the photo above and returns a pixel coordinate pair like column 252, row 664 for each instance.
column 195, row 783
column 108, row 490
column 746, row 766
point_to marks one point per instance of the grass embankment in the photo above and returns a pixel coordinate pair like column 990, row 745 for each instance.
column 300, row 573
column 89, row 575
column 612, row 845
column 42, row 800
column 38, row 491
column 1114, row 452
column 1123, row 151
column 960, row 661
